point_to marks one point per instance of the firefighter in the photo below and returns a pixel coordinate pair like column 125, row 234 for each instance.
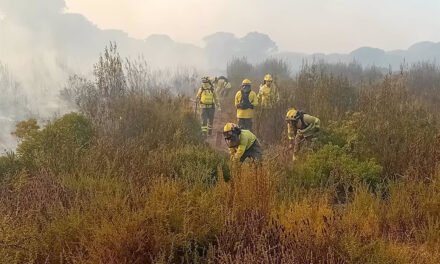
column 245, row 101
column 222, row 89
column 242, row 143
column 268, row 95
column 208, row 101
column 266, row 117
column 301, row 127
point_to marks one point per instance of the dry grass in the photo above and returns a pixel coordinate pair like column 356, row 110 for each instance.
column 147, row 190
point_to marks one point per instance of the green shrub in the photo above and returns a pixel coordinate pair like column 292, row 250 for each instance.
column 58, row 146
column 194, row 164
column 332, row 165
column 9, row 165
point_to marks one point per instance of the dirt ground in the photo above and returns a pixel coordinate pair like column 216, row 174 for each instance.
column 221, row 118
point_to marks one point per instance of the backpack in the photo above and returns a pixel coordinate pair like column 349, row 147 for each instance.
column 207, row 96
column 245, row 103
column 300, row 117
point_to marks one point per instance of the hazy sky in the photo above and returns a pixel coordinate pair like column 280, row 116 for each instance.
column 296, row 25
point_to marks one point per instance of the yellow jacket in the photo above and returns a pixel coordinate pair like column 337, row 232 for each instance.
column 247, row 139
column 222, row 88
column 311, row 123
column 246, row 113
column 268, row 96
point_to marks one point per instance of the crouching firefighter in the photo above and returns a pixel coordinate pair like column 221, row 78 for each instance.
column 245, row 101
column 207, row 100
column 301, row 127
column 242, row 143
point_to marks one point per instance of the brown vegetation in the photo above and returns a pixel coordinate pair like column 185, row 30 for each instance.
column 129, row 180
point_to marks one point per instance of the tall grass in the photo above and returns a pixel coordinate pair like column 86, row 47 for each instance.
column 128, row 180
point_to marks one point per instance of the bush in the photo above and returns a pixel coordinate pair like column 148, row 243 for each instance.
column 10, row 164
column 331, row 166
column 196, row 165
column 58, row 146
column 412, row 210
column 324, row 95
column 157, row 120
column 392, row 117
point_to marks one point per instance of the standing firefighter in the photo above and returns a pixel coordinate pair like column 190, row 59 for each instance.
column 242, row 143
column 300, row 127
column 207, row 100
column 222, row 89
column 268, row 95
column 245, row 102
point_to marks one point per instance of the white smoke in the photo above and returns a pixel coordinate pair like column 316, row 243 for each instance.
column 32, row 70
column 41, row 46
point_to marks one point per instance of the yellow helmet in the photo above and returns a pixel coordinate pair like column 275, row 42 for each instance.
column 291, row 114
column 268, row 78
column 246, row 82
column 231, row 134
column 229, row 127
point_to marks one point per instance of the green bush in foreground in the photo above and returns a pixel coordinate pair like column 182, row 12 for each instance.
column 332, row 165
column 58, row 146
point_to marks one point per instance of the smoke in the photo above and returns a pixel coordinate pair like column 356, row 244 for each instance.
column 32, row 69
column 221, row 47
column 32, row 13
column 41, row 45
